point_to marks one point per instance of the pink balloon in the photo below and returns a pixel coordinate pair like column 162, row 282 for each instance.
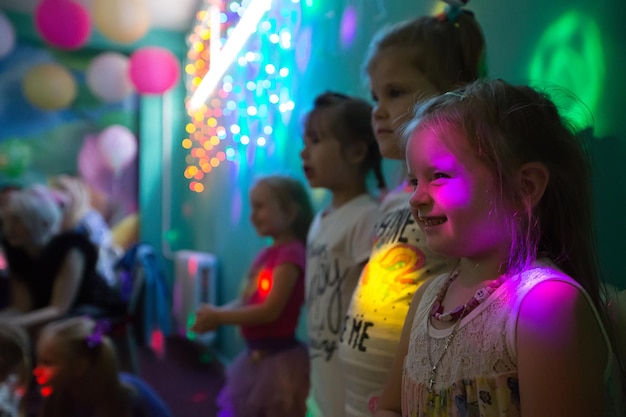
column 63, row 23
column 118, row 146
column 153, row 70
column 120, row 186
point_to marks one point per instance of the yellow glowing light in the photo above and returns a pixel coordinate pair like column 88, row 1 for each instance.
column 187, row 143
column 196, row 81
column 215, row 162
column 198, row 47
column 200, row 64
column 212, row 122
column 207, row 145
column 198, row 116
column 214, row 140
column 206, row 168
column 190, row 128
column 198, row 187
column 205, row 34
column 190, row 69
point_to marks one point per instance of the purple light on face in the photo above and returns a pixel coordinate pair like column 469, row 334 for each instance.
column 348, row 27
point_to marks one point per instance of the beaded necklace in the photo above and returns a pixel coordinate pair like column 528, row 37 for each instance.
column 456, row 314
column 462, row 311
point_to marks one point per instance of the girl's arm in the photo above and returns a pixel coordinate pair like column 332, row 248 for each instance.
column 284, row 278
column 561, row 353
column 20, row 298
column 390, row 403
column 64, row 291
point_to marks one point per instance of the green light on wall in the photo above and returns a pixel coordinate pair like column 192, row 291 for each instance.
column 569, row 54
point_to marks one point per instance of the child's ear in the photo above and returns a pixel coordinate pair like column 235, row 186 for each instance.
column 533, row 178
column 356, row 152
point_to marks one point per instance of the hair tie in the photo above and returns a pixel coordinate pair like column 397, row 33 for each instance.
column 453, row 10
column 95, row 338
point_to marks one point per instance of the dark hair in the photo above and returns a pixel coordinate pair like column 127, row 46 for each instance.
column 348, row 119
column 508, row 126
column 450, row 52
column 290, row 191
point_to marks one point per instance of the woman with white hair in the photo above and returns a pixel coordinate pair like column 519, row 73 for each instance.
column 51, row 272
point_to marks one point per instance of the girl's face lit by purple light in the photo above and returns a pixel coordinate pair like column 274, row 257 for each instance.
column 454, row 199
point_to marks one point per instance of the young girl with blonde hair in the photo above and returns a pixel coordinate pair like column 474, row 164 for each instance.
column 78, row 375
column 406, row 62
column 271, row 376
column 518, row 327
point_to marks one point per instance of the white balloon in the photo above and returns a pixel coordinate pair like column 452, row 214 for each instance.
column 7, row 35
column 118, row 146
column 107, row 77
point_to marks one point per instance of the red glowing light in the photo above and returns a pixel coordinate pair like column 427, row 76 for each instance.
column 265, row 282
column 46, row 391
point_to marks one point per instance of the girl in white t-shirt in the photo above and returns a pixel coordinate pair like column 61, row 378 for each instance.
column 339, row 152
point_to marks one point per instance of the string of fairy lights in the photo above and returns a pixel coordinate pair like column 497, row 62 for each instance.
column 252, row 102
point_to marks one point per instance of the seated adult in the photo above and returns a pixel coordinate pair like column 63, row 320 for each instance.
column 52, row 273
column 81, row 216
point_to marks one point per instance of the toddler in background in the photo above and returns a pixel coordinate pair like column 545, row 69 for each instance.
column 271, row 376
column 14, row 370
column 339, row 153
column 406, row 62
column 78, row 375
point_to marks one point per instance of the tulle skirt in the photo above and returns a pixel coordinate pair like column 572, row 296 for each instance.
column 261, row 384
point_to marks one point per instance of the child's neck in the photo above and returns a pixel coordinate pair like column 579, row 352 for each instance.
column 284, row 238
column 476, row 271
column 345, row 195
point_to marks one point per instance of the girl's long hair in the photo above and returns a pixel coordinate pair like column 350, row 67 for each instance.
column 78, row 338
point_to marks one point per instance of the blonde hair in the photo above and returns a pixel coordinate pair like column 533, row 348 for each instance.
column 79, row 337
column 450, row 53
column 38, row 209
column 290, row 191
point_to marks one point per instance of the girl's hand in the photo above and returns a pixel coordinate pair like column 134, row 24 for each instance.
column 207, row 319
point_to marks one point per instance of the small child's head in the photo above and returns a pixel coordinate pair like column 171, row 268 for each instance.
column 495, row 164
column 280, row 204
column 31, row 216
column 338, row 134
column 75, row 354
column 14, row 354
column 417, row 59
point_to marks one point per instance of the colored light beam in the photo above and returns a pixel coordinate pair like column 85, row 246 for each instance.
column 246, row 26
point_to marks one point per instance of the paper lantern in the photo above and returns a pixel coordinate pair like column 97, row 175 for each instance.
column 49, row 86
column 118, row 146
column 63, row 23
column 153, row 70
column 123, row 21
column 7, row 35
column 107, row 77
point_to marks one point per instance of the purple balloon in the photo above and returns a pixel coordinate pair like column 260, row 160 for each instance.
column 120, row 187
